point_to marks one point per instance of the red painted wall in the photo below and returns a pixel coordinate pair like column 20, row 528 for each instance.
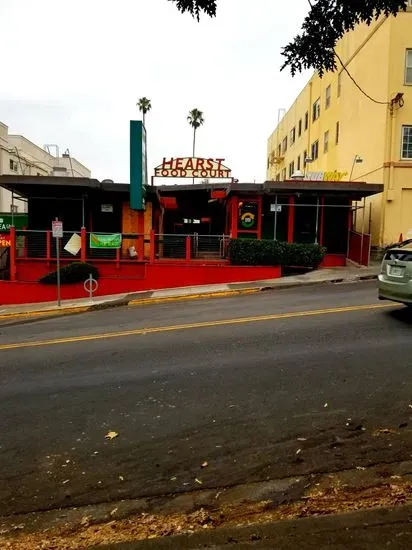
column 134, row 278
column 334, row 260
column 359, row 248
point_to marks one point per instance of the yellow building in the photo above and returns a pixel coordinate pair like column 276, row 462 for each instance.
column 346, row 136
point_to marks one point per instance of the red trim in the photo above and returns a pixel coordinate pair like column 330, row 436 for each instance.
column 322, row 220
column 117, row 258
column 13, row 254
column 83, row 250
column 291, row 219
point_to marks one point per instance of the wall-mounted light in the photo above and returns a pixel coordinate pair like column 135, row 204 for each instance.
column 357, row 159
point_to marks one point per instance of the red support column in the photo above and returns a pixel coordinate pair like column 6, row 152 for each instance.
column 117, row 258
column 83, row 250
column 152, row 246
column 188, row 248
column 322, row 219
column 140, row 238
column 259, row 226
column 12, row 254
column 350, row 214
column 235, row 204
column 48, row 247
column 291, row 219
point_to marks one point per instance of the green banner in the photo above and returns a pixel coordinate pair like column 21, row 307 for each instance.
column 7, row 220
column 105, row 241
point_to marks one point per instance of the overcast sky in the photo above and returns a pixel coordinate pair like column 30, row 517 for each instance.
column 72, row 72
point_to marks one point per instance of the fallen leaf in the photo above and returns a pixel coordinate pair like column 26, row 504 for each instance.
column 205, row 464
column 198, row 481
column 301, row 439
column 298, row 451
column 111, row 435
column 121, row 478
column 85, row 520
column 360, row 468
column 396, row 477
column 113, row 512
column 325, row 405
column 410, row 406
column 173, row 478
column 384, row 431
column 65, row 481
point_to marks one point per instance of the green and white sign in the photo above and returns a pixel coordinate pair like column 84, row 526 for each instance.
column 105, row 241
column 7, row 220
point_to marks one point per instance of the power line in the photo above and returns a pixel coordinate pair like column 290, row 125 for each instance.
column 357, row 85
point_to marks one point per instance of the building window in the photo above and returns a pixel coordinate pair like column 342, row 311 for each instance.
column 284, row 174
column 328, row 96
column 408, row 67
column 339, row 84
column 305, row 156
column 13, row 165
column 306, row 120
column 326, row 142
column 298, row 163
column 315, row 150
column 293, row 136
column 300, row 128
column 316, row 110
column 407, row 142
column 337, row 133
column 285, row 144
column 291, row 169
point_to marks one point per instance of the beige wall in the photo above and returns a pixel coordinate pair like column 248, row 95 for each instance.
column 375, row 57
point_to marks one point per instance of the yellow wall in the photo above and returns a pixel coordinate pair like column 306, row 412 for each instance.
column 375, row 57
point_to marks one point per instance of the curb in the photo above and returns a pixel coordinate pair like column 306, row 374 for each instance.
column 33, row 316
column 347, row 530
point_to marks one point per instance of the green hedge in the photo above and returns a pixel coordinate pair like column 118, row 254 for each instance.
column 77, row 272
column 265, row 252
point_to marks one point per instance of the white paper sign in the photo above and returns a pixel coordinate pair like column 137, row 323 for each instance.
column 74, row 244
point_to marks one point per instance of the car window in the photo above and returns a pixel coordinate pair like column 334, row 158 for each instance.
column 405, row 256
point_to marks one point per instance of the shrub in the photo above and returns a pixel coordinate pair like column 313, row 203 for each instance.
column 265, row 252
column 77, row 272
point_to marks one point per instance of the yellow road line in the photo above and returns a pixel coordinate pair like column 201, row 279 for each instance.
column 200, row 296
column 205, row 324
column 142, row 302
column 44, row 313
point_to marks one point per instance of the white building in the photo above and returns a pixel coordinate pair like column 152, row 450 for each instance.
column 19, row 156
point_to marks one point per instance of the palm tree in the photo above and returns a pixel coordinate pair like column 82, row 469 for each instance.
column 144, row 105
column 195, row 119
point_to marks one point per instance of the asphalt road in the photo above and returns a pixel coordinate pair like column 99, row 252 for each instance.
column 236, row 382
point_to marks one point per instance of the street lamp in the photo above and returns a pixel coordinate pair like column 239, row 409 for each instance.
column 357, row 159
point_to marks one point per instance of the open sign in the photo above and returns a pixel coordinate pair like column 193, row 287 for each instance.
column 5, row 241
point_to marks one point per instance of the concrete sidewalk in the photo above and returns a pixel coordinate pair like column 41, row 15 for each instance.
column 321, row 276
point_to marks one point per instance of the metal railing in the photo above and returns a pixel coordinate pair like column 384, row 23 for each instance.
column 170, row 246
column 210, row 246
column 38, row 244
